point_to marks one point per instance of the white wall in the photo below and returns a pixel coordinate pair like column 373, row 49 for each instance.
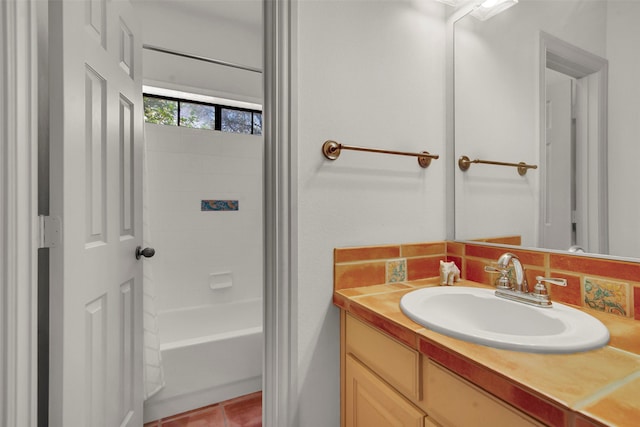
column 230, row 31
column 185, row 166
column 371, row 74
column 497, row 109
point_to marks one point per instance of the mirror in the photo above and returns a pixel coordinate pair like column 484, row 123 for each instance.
column 552, row 84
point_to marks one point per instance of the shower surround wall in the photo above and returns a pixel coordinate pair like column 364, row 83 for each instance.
column 185, row 167
column 208, row 267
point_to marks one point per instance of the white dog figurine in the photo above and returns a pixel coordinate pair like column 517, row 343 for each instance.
column 449, row 273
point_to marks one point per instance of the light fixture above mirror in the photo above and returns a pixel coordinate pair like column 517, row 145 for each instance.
column 490, row 8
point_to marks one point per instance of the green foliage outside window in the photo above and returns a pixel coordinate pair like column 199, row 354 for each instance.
column 176, row 112
column 160, row 111
column 197, row 116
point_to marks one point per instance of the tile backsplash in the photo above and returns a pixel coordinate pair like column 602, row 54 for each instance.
column 375, row 265
column 610, row 286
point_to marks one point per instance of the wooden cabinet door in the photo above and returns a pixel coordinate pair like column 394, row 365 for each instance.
column 454, row 402
column 370, row 402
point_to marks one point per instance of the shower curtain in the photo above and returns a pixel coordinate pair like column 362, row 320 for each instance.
column 153, row 372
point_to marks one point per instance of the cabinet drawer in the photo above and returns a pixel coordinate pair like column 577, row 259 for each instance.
column 370, row 402
column 454, row 402
column 396, row 363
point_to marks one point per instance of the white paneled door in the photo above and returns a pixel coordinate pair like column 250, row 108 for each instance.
column 96, row 157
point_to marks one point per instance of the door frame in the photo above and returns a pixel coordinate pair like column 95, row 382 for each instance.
column 19, row 225
column 19, row 233
column 571, row 60
column 280, row 209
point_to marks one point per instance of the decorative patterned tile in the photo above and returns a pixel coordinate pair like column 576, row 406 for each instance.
column 606, row 295
column 396, row 270
column 219, row 205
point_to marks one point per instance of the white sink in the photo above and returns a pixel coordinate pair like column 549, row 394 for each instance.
column 477, row 315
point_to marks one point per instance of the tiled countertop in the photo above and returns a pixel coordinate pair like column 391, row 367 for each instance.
column 598, row 387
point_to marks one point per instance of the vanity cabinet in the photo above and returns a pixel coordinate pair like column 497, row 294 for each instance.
column 386, row 383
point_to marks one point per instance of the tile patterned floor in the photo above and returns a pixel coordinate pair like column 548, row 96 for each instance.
column 243, row 411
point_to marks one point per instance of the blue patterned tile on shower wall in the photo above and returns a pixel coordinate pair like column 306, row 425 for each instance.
column 219, row 205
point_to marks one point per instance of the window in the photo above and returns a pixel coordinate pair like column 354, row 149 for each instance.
column 201, row 115
column 197, row 116
column 160, row 111
column 237, row 121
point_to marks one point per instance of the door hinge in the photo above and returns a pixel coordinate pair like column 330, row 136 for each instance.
column 49, row 231
column 574, row 217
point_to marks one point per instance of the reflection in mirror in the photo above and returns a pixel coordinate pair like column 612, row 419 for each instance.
column 551, row 83
column 559, row 227
column 573, row 190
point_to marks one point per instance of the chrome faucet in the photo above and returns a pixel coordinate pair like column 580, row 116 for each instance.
column 516, row 288
column 519, row 284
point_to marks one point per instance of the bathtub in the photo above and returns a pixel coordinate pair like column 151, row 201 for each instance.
column 209, row 354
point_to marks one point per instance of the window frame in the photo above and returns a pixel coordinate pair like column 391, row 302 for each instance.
column 218, row 112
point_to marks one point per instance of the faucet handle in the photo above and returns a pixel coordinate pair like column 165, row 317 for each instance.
column 503, row 282
column 541, row 289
